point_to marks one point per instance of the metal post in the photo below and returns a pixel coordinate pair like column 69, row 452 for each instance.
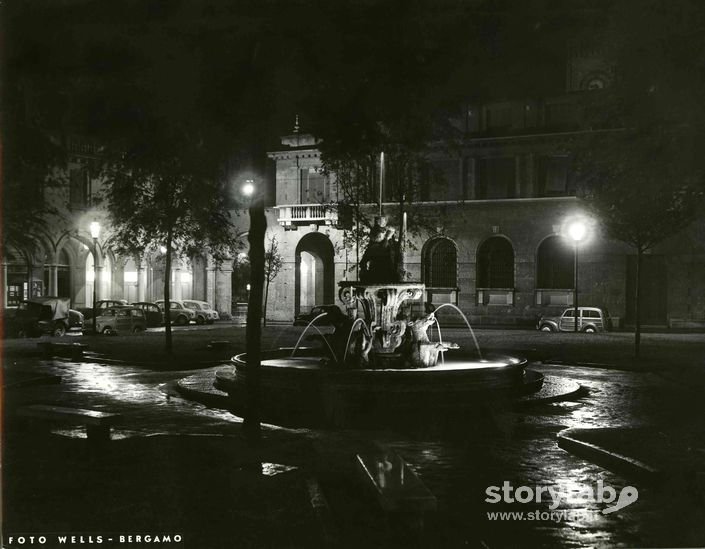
column 381, row 180
column 95, row 281
column 575, row 301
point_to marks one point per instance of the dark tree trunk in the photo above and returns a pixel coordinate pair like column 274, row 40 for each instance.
column 253, row 333
column 637, row 301
column 167, row 294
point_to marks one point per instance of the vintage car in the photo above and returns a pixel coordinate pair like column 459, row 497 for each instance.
column 44, row 315
column 125, row 320
column 102, row 305
column 152, row 312
column 204, row 312
column 591, row 319
column 178, row 312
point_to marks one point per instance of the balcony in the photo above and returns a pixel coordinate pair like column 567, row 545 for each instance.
column 293, row 216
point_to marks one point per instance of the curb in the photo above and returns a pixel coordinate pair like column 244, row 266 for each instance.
column 578, row 391
column 567, row 439
column 175, row 365
column 212, row 400
column 600, row 365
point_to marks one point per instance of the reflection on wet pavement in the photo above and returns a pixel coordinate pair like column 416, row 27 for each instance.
column 142, row 396
column 521, row 448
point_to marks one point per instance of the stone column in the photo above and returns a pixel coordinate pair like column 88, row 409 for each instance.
column 175, row 282
column 53, row 280
column 211, row 284
column 98, row 283
column 141, row 282
column 117, row 281
column 222, row 301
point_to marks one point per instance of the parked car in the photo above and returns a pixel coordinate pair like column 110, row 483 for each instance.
column 591, row 319
column 152, row 312
column 302, row 319
column 125, row 319
column 76, row 320
column 204, row 312
column 178, row 312
column 44, row 315
column 102, row 305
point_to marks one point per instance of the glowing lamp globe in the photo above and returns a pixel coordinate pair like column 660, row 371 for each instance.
column 248, row 189
column 577, row 230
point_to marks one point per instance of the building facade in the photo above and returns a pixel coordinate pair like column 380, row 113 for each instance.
column 66, row 262
column 499, row 250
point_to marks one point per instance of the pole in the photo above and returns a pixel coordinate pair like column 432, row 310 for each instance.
column 95, row 282
column 381, row 180
column 575, row 270
column 253, row 330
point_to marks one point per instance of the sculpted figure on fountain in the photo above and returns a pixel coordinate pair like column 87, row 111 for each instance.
column 379, row 261
column 419, row 351
column 351, row 348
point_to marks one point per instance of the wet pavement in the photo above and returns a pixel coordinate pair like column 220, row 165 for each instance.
column 525, row 452
column 515, row 446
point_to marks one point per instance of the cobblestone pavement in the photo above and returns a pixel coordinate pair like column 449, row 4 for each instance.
column 520, row 447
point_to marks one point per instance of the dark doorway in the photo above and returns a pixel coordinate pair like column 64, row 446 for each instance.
column 315, row 284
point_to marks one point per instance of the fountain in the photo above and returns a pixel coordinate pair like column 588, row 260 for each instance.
column 379, row 365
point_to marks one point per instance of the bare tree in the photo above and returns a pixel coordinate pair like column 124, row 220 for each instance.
column 273, row 263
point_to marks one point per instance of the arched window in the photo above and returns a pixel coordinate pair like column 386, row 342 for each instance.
column 554, row 264
column 440, row 264
column 495, row 263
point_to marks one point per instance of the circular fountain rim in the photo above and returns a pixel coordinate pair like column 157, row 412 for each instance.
column 511, row 362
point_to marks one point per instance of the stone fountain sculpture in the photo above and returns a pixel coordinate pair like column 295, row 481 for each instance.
column 391, row 340
column 377, row 367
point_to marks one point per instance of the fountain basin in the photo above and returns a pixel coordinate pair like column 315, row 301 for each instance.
column 303, row 390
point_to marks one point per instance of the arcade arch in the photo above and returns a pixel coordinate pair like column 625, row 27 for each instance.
column 314, row 273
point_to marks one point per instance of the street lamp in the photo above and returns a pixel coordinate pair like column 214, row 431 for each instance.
column 248, row 189
column 577, row 230
column 253, row 329
column 95, row 233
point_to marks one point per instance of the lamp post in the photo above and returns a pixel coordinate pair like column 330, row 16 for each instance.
column 576, row 231
column 95, row 233
column 253, row 330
